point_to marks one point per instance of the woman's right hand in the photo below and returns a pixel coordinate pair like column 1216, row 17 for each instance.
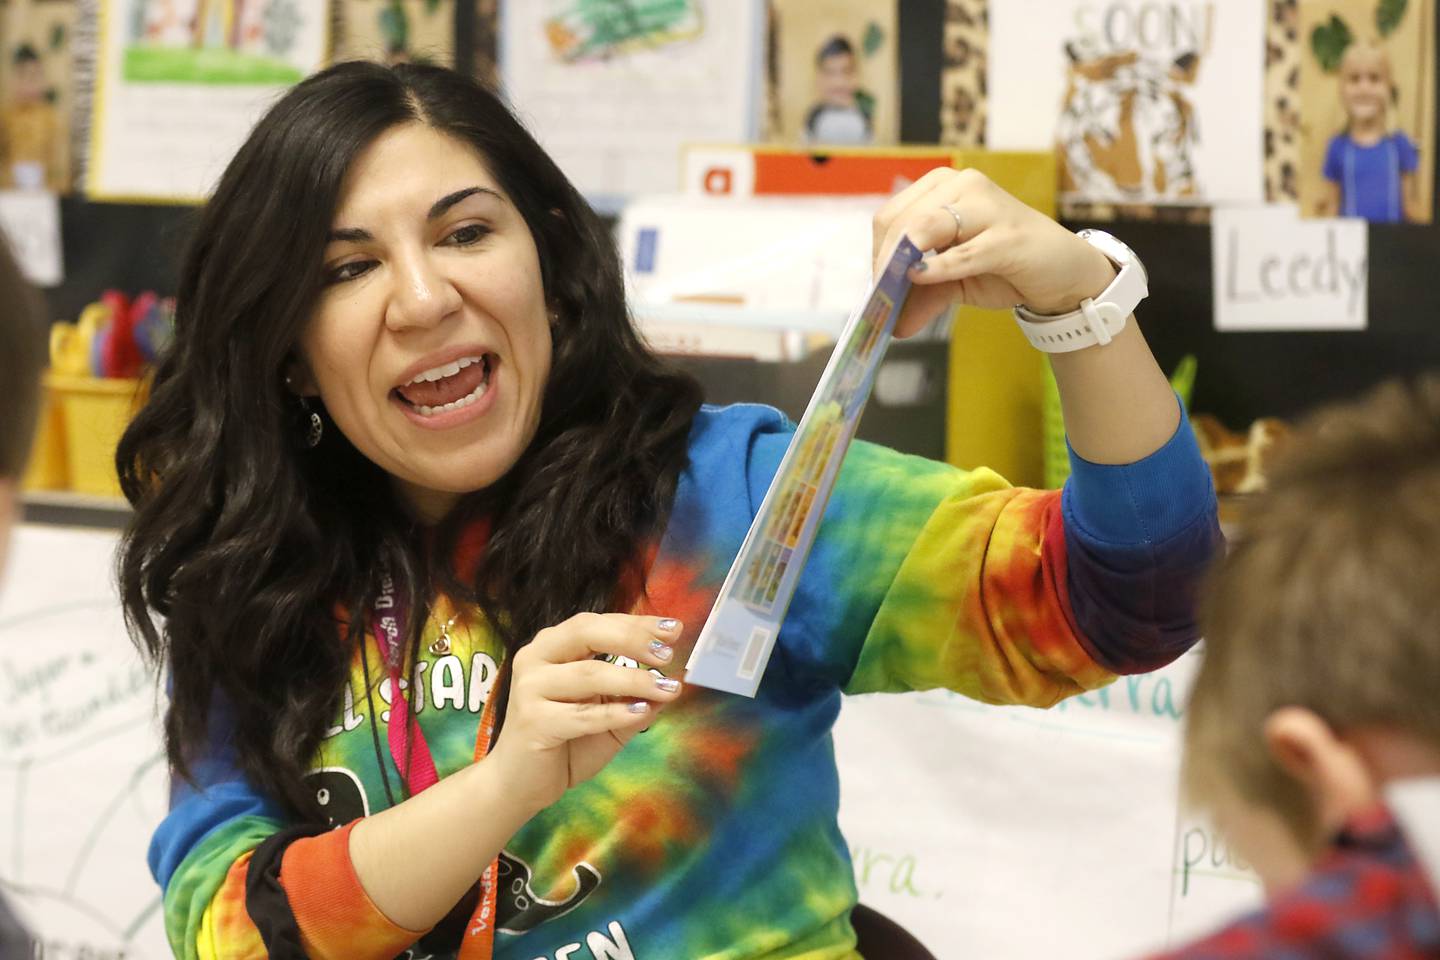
column 570, row 713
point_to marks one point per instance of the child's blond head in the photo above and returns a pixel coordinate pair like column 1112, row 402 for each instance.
column 1367, row 81
column 1366, row 55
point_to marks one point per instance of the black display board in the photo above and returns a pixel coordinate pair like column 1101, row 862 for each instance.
column 1241, row 375
column 1246, row 375
column 130, row 247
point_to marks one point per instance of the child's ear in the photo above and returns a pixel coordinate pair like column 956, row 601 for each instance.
column 1334, row 773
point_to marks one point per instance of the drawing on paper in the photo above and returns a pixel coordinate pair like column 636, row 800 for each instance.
column 1127, row 129
column 587, row 30
column 395, row 31
column 225, row 42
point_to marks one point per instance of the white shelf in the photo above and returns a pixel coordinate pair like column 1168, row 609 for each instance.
column 724, row 315
column 80, row 501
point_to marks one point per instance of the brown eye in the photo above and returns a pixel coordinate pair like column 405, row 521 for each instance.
column 349, row 271
column 468, row 234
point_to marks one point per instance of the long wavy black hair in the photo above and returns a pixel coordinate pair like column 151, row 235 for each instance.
column 251, row 560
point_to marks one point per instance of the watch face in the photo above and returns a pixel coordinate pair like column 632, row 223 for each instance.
column 1120, row 254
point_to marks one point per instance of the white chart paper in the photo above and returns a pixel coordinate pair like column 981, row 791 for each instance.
column 1031, row 834
column 80, row 753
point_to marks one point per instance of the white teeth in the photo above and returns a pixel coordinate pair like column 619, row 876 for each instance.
column 447, row 370
column 464, row 401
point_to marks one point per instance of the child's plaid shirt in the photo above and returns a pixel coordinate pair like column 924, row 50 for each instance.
column 1369, row 897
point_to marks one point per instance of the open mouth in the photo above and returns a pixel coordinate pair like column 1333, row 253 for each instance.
column 448, row 387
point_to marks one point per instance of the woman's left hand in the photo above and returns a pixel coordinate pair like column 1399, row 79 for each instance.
column 992, row 251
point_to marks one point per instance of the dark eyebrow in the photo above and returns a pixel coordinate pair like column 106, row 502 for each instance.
column 350, row 235
column 448, row 201
column 356, row 235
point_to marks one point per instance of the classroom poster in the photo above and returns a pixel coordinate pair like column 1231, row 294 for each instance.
column 36, row 94
column 181, row 82
column 614, row 93
column 1144, row 102
column 1367, row 108
column 836, row 72
column 395, row 31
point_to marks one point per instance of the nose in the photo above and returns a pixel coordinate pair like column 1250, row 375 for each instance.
column 422, row 295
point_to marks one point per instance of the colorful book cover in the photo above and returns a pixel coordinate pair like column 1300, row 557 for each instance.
column 738, row 636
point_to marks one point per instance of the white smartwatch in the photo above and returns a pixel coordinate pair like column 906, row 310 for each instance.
column 1099, row 319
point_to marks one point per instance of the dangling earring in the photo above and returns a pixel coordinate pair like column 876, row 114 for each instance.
column 316, row 426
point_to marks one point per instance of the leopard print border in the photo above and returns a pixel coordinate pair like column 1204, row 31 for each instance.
column 1282, row 101
column 966, row 39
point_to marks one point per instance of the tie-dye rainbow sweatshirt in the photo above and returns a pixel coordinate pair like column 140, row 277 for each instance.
column 713, row 835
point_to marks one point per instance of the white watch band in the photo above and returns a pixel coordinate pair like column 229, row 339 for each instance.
column 1098, row 320
column 1093, row 324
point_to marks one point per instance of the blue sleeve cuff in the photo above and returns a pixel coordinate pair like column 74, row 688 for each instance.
column 190, row 821
column 1148, row 501
column 219, row 794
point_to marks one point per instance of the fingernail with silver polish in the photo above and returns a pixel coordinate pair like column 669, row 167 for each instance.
column 640, row 706
column 669, row 624
column 667, row 684
column 661, row 649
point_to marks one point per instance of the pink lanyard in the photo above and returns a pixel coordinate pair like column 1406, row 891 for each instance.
column 417, row 766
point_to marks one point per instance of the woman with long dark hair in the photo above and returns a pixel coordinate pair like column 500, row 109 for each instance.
column 413, row 500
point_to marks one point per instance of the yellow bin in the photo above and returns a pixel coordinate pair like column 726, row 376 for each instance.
column 96, row 412
column 47, row 469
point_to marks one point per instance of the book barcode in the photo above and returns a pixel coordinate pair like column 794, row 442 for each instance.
column 753, row 648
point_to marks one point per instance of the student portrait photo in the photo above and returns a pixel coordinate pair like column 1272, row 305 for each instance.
column 1367, row 124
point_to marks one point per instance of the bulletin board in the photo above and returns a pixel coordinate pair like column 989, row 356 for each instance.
column 943, row 55
column 1242, row 376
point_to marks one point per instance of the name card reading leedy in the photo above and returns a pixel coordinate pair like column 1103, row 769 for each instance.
column 1275, row 271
